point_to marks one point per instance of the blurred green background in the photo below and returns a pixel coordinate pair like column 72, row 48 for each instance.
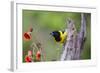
column 44, row 22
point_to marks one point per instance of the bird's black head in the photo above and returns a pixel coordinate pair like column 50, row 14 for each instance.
column 56, row 35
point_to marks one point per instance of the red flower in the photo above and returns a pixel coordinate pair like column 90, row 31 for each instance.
column 27, row 36
column 28, row 59
column 38, row 56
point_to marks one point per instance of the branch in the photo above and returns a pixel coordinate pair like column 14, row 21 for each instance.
column 74, row 42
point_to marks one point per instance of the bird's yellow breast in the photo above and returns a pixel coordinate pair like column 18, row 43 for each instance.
column 63, row 36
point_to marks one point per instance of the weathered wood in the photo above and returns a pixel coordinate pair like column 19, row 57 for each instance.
column 74, row 43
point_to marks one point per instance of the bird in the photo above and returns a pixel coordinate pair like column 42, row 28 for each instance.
column 59, row 36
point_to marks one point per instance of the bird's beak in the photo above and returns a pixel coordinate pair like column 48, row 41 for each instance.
column 50, row 33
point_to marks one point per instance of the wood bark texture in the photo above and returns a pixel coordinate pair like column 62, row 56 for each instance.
column 74, row 42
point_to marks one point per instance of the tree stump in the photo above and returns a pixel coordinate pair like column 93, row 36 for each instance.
column 74, row 43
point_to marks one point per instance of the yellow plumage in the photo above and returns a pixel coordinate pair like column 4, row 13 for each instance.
column 60, row 36
column 63, row 36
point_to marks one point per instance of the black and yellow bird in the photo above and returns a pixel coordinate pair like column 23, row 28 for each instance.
column 60, row 36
